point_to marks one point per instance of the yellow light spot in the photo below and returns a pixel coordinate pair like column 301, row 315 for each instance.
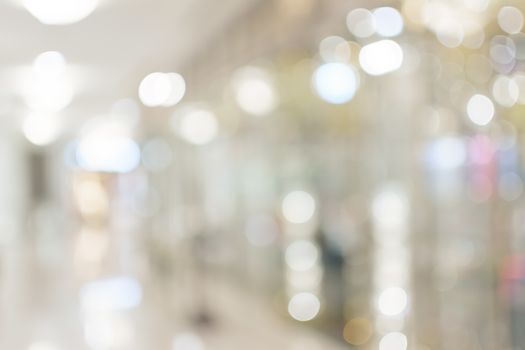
column 357, row 331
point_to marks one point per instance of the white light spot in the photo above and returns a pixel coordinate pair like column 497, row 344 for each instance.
column 392, row 301
column 480, row 109
column 60, row 12
column 381, row 57
column 446, row 153
column 510, row 19
column 197, row 126
column 117, row 293
column 155, row 89
column 360, row 23
column 390, row 210
column 388, row 22
column 505, row 91
column 301, row 255
column 177, row 89
column 107, row 148
column 393, row 341
column 50, row 63
column 41, row 130
column 254, row 91
column 336, row 82
column 49, row 94
column 298, row 207
column 304, row 307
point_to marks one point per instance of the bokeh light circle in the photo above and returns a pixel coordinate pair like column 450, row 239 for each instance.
column 336, row 83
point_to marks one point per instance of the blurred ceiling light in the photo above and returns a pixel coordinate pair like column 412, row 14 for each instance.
column 392, row 301
column 298, row 207
column 480, row 109
column 50, row 63
column 162, row 89
column 388, row 22
column 336, row 83
column 41, row 130
column 42, row 345
column 254, row 90
column 187, row 341
column 510, row 19
column 393, row 341
column 107, row 148
column 116, row 293
column 360, row 23
column 197, row 126
column 334, row 49
column 60, row 12
column 505, row 91
column 304, row 306
column 301, row 255
column 381, row 57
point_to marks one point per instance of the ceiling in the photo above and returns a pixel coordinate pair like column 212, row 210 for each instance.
column 114, row 48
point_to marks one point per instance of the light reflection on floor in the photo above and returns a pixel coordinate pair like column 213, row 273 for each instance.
column 46, row 306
